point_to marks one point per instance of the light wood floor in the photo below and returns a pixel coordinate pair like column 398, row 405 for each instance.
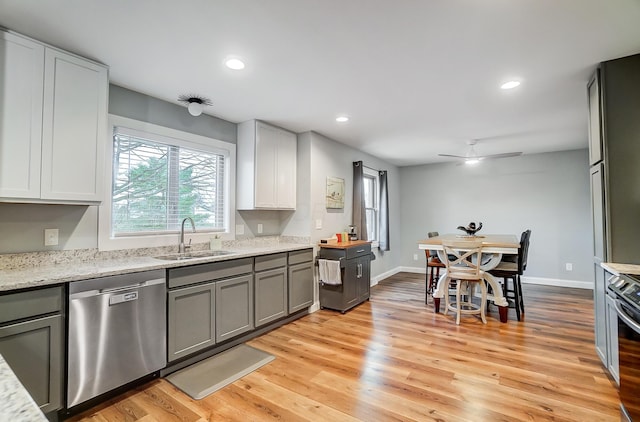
column 394, row 359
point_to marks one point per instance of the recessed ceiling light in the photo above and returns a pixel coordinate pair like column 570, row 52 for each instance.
column 342, row 119
column 234, row 63
column 510, row 84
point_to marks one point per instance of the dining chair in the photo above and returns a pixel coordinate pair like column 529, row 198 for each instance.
column 510, row 271
column 433, row 269
column 462, row 261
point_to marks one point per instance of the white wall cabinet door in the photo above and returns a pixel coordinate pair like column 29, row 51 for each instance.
column 21, row 85
column 266, row 166
column 286, row 171
column 74, row 126
column 266, row 176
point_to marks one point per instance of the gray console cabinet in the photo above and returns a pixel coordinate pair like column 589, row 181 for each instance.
column 270, row 288
column 234, row 307
column 356, row 279
column 31, row 343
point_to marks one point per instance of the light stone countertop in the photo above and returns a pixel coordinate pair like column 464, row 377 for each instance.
column 37, row 273
column 16, row 403
column 18, row 271
column 618, row 269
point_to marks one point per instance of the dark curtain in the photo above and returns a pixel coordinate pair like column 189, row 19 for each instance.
column 359, row 218
column 384, row 211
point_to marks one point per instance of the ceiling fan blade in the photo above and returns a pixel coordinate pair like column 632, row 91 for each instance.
column 503, row 155
column 451, row 155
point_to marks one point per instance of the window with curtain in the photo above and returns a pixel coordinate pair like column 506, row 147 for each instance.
column 158, row 181
column 371, row 203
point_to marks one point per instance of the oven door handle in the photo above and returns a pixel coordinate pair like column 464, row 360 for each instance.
column 626, row 318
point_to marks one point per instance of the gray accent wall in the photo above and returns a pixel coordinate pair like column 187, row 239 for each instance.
column 134, row 105
column 547, row 193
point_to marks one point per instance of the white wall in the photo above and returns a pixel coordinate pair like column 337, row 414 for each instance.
column 328, row 158
column 547, row 193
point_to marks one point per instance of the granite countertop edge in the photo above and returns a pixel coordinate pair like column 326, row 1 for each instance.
column 51, row 274
column 16, row 403
column 617, row 268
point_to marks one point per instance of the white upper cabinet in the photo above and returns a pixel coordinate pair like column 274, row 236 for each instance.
column 266, row 176
column 53, row 149
column 74, row 126
column 21, row 87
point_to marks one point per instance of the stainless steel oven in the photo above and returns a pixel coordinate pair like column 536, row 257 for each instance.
column 627, row 304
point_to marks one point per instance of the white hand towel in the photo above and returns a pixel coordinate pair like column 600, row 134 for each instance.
column 329, row 271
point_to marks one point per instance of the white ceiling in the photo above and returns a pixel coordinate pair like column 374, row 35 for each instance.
column 416, row 77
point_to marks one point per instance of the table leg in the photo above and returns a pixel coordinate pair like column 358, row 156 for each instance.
column 498, row 296
column 503, row 310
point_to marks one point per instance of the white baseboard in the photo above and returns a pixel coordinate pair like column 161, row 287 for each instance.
column 386, row 274
column 577, row 284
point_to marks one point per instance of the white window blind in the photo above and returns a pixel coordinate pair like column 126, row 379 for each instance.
column 157, row 183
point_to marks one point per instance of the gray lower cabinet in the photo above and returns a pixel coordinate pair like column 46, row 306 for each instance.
column 612, row 322
column 300, row 279
column 234, row 307
column 300, row 286
column 192, row 320
column 32, row 346
column 270, row 295
column 600, row 306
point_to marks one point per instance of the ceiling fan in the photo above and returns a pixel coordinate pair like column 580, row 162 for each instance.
column 472, row 156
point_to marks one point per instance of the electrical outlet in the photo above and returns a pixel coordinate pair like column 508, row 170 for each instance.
column 239, row 229
column 50, row 237
column 259, row 228
column 415, row 256
column 319, row 224
column 568, row 266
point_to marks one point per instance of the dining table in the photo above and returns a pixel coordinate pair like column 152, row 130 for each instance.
column 494, row 246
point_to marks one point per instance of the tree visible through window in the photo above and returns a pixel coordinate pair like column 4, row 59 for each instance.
column 156, row 185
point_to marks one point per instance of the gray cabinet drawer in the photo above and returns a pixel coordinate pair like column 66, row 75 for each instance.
column 357, row 251
column 207, row 272
column 267, row 262
column 30, row 303
column 298, row 257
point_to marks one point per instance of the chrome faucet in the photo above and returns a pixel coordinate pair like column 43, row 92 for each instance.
column 182, row 247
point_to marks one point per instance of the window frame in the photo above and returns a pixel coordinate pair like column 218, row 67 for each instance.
column 374, row 174
column 181, row 139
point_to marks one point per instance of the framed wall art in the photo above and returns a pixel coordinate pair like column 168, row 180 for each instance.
column 335, row 192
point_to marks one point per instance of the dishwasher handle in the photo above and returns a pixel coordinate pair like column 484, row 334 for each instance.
column 113, row 291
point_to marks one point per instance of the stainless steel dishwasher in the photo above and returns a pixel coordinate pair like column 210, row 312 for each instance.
column 117, row 332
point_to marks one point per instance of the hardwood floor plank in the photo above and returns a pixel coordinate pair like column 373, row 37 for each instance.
column 394, row 359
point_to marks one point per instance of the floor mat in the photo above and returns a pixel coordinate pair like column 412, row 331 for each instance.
column 205, row 377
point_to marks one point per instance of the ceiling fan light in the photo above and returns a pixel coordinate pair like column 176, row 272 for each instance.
column 471, row 161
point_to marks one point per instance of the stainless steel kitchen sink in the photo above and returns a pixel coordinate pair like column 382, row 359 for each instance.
column 192, row 255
